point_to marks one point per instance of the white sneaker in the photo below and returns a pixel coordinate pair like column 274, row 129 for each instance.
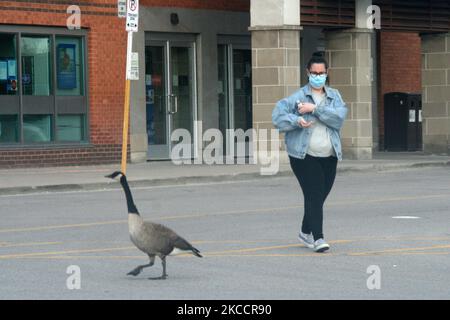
column 306, row 239
column 320, row 245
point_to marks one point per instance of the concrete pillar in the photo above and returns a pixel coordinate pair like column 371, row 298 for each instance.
column 349, row 53
column 436, row 93
column 350, row 67
column 361, row 13
column 138, row 124
column 275, row 28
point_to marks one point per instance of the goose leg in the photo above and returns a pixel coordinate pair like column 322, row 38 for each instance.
column 139, row 269
column 164, row 274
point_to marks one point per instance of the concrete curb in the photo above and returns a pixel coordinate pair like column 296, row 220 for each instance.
column 390, row 167
column 109, row 185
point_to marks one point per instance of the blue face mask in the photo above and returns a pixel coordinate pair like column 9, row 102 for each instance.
column 317, row 81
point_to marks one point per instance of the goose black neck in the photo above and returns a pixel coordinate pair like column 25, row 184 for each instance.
column 130, row 203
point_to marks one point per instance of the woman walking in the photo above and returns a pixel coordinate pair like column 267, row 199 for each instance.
column 311, row 119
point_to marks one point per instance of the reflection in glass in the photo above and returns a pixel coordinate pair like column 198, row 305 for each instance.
column 37, row 128
column 69, row 66
column 242, row 67
column 181, row 87
column 36, row 66
column 155, row 95
column 223, row 89
column 70, row 127
column 8, row 128
column 8, row 65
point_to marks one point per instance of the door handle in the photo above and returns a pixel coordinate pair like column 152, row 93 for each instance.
column 169, row 103
column 175, row 104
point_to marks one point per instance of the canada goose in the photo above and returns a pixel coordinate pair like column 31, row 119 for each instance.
column 152, row 238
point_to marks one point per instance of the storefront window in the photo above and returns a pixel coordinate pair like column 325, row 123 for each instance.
column 37, row 128
column 69, row 69
column 36, row 65
column 71, row 127
column 8, row 64
column 8, row 128
column 42, row 86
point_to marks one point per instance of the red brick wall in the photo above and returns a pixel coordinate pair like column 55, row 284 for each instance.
column 106, row 62
column 62, row 156
column 399, row 67
column 106, row 41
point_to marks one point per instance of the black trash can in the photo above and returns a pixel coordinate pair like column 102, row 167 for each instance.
column 402, row 121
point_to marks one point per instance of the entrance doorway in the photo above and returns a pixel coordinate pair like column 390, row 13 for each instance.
column 235, row 88
column 170, row 82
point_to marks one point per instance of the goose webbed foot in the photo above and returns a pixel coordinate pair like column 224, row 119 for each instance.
column 135, row 272
column 139, row 269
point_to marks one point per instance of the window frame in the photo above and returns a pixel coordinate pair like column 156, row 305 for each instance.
column 57, row 100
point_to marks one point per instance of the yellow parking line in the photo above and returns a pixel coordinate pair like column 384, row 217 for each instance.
column 63, row 226
column 199, row 242
column 426, row 253
column 267, row 248
column 54, row 257
column 399, row 250
column 205, row 255
column 243, row 251
column 404, row 238
column 26, row 244
column 262, row 255
column 276, row 255
column 197, row 215
column 228, row 253
column 254, row 249
column 209, row 214
column 36, row 254
column 126, row 248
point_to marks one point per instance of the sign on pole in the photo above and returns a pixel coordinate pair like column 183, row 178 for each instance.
column 133, row 72
column 122, row 8
column 132, row 15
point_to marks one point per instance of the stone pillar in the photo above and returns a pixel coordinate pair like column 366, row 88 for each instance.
column 436, row 93
column 138, row 125
column 350, row 67
column 275, row 28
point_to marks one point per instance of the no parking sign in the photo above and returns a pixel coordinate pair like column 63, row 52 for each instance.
column 132, row 15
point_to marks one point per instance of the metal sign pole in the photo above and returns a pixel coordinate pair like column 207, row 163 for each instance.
column 132, row 18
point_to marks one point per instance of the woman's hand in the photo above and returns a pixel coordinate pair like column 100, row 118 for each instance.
column 305, row 107
column 303, row 123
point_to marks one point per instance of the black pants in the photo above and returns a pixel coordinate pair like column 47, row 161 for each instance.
column 316, row 177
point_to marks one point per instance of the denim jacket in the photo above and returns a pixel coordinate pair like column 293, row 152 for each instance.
column 331, row 112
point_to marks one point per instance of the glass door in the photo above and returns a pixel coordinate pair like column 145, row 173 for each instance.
column 170, row 94
column 156, row 100
column 234, row 90
column 182, row 89
column 242, row 93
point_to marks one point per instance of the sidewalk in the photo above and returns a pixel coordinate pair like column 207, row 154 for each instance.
column 17, row 181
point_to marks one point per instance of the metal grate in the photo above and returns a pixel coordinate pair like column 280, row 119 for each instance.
column 415, row 15
column 337, row 13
